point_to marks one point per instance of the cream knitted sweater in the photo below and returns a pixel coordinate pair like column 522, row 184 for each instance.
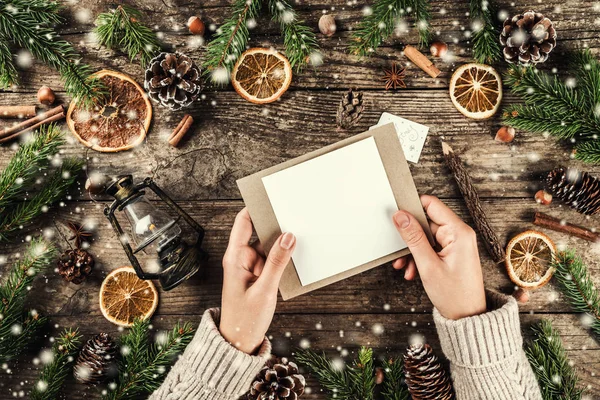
column 485, row 352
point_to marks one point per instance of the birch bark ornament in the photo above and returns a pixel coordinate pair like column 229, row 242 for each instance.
column 465, row 184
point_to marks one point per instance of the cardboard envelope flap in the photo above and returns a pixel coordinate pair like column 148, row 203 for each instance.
column 268, row 230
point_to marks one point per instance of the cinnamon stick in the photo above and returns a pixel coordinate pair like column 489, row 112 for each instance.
column 555, row 224
column 17, row 111
column 181, row 129
column 29, row 125
column 465, row 184
column 421, row 61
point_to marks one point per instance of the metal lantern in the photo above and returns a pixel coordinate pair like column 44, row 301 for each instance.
column 155, row 232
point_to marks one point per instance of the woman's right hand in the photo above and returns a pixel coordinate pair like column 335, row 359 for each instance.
column 452, row 277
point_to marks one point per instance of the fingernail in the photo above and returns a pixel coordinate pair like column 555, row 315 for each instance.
column 287, row 240
column 401, row 219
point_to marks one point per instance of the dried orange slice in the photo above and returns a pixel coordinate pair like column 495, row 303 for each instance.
column 261, row 75
column 119, row 122
column 476, row 90
column 529, row 258
column 125, row 297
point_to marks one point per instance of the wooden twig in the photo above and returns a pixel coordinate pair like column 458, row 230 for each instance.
column 555, row 224
column 421, row 61
column 181, row 130
column 51, row 115
column 17, row 111
column 465, row 184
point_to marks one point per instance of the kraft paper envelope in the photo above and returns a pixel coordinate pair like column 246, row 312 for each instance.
column 266, row 226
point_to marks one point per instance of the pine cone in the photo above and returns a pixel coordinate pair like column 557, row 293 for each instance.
column 173, row 80
column 579, row 190
column 528, row 37
column 350, row 110
column 95, row 359
column 75, row 265
column 425, row 376
column 278, row 380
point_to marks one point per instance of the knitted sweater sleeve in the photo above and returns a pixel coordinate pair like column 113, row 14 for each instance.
column 211, row 368
column 486, row 354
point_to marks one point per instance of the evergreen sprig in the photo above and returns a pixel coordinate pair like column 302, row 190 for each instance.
column 120, row 29
column 299, row 40
column 28, row 24
column 230, row 40
column 486, row 48
column 551, row 106
column 394, row 386
column 549, row 361
column 143, row 365
column 18, row 327
column 362, row 374
column 53, row 374
column 382, row 21
column 576, row 283
column 331, row 377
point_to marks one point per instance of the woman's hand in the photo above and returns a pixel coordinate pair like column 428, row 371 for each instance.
column 250, row 285
column 452, row 277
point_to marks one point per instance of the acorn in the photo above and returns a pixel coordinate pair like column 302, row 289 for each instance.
column 196, row 26
column 327, row 25
column 46, row 96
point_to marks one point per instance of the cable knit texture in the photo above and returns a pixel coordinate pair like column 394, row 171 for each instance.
column 486, row 354
column 210, row 368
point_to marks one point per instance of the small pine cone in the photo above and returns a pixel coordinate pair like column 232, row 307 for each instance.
column 75, row 265
column 528, row 38
column 579, row 190
column 173, row 80
column 278, row 380
column 95, row 359
column 426, row 378
column 350, row 110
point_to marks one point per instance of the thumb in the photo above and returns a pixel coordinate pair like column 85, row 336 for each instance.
column 416, row 240
column 278, row 258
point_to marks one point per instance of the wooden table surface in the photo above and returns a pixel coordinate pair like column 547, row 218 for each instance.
column 233, row 138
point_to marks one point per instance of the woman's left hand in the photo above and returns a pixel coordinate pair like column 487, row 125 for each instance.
column 250, row 284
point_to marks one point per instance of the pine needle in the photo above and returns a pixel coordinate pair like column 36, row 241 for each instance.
column 54, row 374
column 394, row 385
column 576, row 283
column 486, row 48
column 8, row 71
column 18, row 327
column 548, row 359
column 362, row 374
column 120, row 29
column 331, row 377
column 383, row 20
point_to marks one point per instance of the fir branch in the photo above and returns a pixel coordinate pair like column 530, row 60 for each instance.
column 143, row 365
column 32, row 31
column 331, row 377
column 548, row 359
column 120, row 29
column 576, row 284
column 53, row 375
column 52, row 191
column 229, row 40
column 17, row 328
column 8, row 71
column 362, row 374
column 394, row 386
column 299, row 40
column 539, row 120
column 587, row 70
column 486, row 48
column 588, row 152
column 28, row 161
column 380, row 24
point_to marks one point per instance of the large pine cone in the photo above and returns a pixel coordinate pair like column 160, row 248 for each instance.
column 579, row 190
column 75, row 265
column 95, row 359
column 426, row 378
column 173, row 80
column 350, row 110
column 528, row 38
column 278, row 380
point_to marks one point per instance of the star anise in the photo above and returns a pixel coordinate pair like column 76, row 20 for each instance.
column 394, row 77
column 78, row 233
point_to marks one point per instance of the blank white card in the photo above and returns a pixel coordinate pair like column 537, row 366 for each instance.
column 340, row 207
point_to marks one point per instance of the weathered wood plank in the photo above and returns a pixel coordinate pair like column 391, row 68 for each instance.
column 335, row 334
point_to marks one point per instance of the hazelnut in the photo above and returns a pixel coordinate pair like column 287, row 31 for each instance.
column 543, row 197
column 196, row 26
column 379, row 375
column 96, row 183
column 46, row 96
column 521, row 295
column 327, row 25
column 505, row 134
column 438, row 49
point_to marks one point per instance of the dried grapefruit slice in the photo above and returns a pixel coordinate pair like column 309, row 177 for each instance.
column 529, row 258
column 476, row 90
